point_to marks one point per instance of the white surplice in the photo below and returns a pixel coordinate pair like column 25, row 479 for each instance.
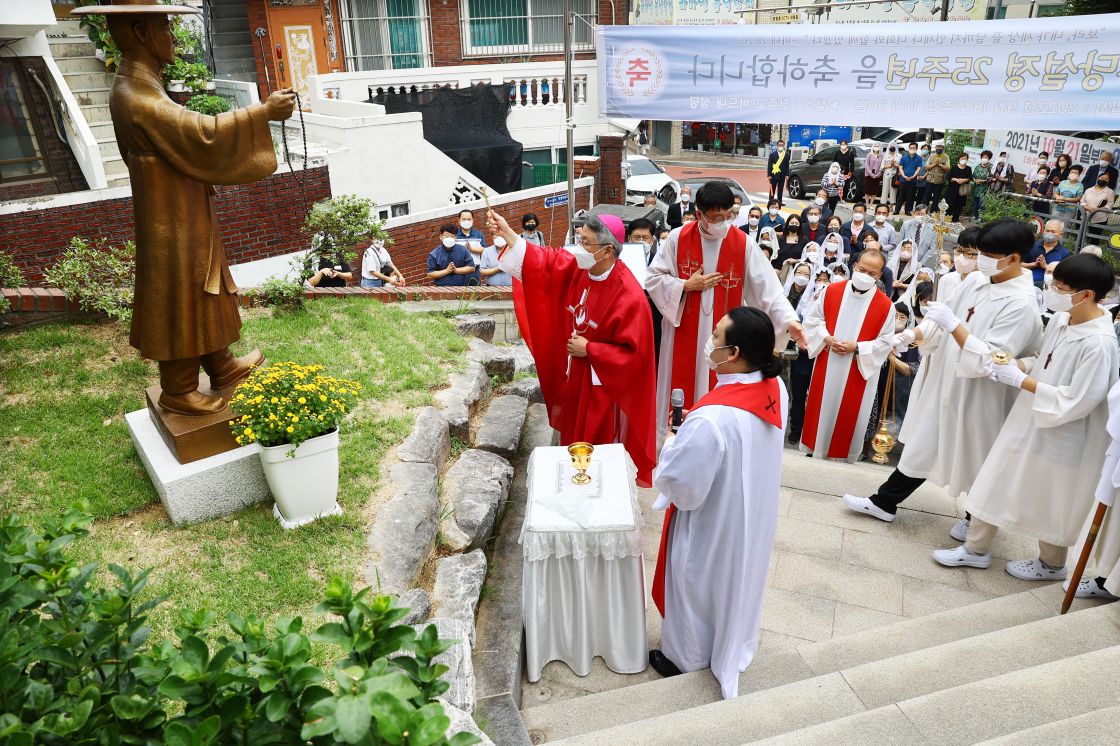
column 761, row 290
column 723, row 473
column 955, row 411
column 870, row 356
column 1105, row 560
column 1040, row 474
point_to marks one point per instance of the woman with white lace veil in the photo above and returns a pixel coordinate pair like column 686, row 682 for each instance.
column 903, row 265
column 833, row 250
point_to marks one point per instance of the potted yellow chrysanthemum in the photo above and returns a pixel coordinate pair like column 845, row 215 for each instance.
column 293, row 411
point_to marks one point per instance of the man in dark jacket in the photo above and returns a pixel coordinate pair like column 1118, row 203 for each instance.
column 777, row 168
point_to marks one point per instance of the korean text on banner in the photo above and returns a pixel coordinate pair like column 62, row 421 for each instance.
column 1057, row 73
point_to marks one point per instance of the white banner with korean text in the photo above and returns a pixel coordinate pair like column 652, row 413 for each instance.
column 1041, row 74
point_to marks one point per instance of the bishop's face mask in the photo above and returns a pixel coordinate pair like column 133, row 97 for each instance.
column 584, row 258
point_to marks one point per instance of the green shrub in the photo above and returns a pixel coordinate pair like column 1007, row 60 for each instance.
column 77, row 665
column 340, row 223
column 98, row 275
column 997, row 206
column 279, row 293
column 205, row 103
column 10, row 277
column 97, row 29
column 194, row 74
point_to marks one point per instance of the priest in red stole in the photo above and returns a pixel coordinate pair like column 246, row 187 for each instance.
column 589, row 327
column 850, row 332
column 719, row 480
column 705, row 269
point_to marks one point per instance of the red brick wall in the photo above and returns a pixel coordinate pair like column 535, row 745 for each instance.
column 611, row 187
column 413, row 242
column 258, row 220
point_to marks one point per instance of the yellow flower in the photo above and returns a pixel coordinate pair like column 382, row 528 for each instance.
column 248, row 431
column 275, row 400
column 301, row 400
column 322, row 397
column 295, row 418
column 291, row 429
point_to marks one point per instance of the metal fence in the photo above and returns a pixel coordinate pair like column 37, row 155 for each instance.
column 386, row 34
column 1083, row 227
column 523, row 28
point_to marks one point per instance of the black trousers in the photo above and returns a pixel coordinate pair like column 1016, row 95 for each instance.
column 798, row 393
column 897, row 488
column 955, row 202
column 777, row 186
column 932, row 196
column 907, row 193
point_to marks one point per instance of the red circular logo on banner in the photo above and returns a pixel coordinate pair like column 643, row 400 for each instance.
column 640, row 71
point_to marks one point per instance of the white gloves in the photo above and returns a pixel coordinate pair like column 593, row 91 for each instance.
column 940, row 314
column 1008, row 373
column 905, row 339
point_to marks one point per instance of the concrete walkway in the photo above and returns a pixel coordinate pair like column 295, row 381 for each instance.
column 833, row 573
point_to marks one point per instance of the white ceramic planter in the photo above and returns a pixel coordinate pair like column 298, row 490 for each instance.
column 305, row 486
column 176, row 86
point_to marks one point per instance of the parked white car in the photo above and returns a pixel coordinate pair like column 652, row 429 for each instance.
column 899, row 138
column 643, row 177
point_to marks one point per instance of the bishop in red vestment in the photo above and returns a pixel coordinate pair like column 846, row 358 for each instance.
column 589, row 327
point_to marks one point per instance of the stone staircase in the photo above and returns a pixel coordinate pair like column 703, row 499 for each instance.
column 232, row 41
column 866, row 641
column 90, row 83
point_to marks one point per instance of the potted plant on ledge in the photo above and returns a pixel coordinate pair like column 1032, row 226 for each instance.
column 293, row 411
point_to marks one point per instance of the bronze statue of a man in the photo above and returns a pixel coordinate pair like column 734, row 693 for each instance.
column 185, row 309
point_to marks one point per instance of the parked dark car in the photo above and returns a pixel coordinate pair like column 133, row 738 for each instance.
column 695, row 183
column 805, row 177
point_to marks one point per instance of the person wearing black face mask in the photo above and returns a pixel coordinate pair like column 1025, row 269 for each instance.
column 1098, row 200
column 937, row 169
column 529, row 223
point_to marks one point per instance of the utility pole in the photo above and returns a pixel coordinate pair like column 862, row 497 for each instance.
column 944, row 10
column 569, row 123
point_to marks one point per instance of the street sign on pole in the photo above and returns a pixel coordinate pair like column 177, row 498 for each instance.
column 556, row 200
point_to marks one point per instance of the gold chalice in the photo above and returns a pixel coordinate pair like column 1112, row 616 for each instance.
column 999, row 357
column 581, row 459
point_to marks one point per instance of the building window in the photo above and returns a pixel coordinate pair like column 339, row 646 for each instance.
column 21, row 152
column 397, row 210
column 386, row 34
column 514, row 27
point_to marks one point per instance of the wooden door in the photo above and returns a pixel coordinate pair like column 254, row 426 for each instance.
column 299, row 46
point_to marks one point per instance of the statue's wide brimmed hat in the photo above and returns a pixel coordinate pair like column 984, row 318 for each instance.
column 135, row 7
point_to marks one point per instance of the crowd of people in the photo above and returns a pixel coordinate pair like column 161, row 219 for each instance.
column 996, row 398
column 902, row 177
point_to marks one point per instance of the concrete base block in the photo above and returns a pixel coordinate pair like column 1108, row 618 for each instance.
column 208, row 488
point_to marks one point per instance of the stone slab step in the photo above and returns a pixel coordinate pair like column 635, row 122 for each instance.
column 96, row 113
column 115, row 167
column 1089, row 728
column 500, row 430
column 117, row 181
column 571, row 717
column 67, row 47
column 98, row 96
column 462, row 397
column 109, row 148
column 81, row 80
column 233, row 51
column 84, row 64
column 823, row 709
column 102, row 131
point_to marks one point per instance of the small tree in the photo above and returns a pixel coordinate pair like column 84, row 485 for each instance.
column 997, row 206
column 338, row 224
column 955, row 143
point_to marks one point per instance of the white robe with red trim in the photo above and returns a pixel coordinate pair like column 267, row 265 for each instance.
column 722, row 472
column 835, row 372
column 761, row 290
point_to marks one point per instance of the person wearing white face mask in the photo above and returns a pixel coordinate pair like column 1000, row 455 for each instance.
column 833, row 185
column 702, row 272
column 718, row 481
column 963, row 263
column 1029, row 482
column 849, row 331
column 588, row 325
column 886, row 232
column 450, row 264
column 377, row 267
column 820, row 202
column 489, row 268
column 677, row 209
column 1003, row 175
column 773, row 217
column 956, row 412
column 904, row 266
column 470, row 236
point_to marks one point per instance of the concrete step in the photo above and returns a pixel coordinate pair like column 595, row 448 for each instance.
column 100, row 79
column 102, row 131
column 231, row 25
column 228, row 11
column 1093, row 727
column 84, row 64
column 115, row 166
column 91, row 96
column 68, row 47
column 570, row 717
column 96, row 113
column 233, row 52
column 109, row 148
column 500, row 428
column 827, row 709
column 117, row 181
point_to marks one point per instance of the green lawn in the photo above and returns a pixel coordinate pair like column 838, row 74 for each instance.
column 64, row 390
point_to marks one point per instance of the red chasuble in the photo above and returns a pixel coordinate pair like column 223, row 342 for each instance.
column 844, row 429
column 727, row 295
column 762, row 399
column 557, row 298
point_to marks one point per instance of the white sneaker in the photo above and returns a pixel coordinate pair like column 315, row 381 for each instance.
column 960, row 530
column 1088, row 588
column 961, row 557
column 864, row 505
column 1033, row 569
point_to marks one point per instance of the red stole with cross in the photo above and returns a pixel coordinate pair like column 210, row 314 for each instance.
column 727, row 295
column 762, row 399
column 844, row 429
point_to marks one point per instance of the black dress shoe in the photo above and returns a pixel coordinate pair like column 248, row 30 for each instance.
column 663, row 665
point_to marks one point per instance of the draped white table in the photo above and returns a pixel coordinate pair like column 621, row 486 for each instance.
column 583, row 592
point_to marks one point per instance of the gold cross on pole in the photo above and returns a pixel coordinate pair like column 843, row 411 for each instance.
column 941, row 225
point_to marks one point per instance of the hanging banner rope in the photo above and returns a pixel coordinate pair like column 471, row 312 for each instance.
column 1041, row 74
